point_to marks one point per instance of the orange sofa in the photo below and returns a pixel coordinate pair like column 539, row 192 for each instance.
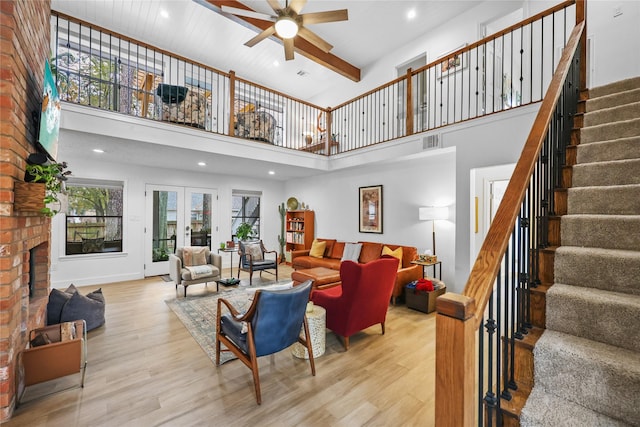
column 370, row 251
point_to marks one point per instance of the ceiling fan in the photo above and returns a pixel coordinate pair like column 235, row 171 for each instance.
column 288, row 23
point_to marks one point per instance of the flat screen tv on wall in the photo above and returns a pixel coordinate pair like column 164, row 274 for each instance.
column 49, row 115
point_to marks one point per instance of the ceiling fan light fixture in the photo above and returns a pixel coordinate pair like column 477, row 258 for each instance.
column 286, row 27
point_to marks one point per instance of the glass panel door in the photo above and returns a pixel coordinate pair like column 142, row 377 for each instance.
column 165, row 221
column 200, row 212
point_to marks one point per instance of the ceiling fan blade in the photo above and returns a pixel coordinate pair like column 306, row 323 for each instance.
column 297, row 5
column 328, row 16
column 288, row 49
column 314, row 39
column 248, row 13
column 263, row 35
column 274, row 5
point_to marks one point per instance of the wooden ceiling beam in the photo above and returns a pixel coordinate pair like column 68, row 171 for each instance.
column 302, row 46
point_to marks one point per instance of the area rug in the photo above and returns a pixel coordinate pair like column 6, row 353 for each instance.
column 198, row 314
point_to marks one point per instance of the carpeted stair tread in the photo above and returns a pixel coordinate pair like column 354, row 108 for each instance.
column 608, row 269
column 599, row 376
column 610, row 200
column 609, row 131
column 571, row 309
column 546, row 410
column 601, row 231
column 611, row 100
column 615, row 87
column 612, row 114
column 617, row 149
column 614, row 172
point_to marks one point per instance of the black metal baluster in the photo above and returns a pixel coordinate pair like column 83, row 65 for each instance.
column 490, row 399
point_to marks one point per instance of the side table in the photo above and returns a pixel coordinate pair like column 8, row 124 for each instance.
column 317, row 320
column 430, row 264
column 229, row 251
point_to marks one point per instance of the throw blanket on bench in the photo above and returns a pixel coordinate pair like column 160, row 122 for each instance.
column 198, row 271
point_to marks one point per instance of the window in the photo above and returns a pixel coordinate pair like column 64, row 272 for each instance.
column 245, row 207
column 93, row 216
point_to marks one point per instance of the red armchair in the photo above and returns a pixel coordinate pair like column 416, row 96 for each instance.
column 362, row 299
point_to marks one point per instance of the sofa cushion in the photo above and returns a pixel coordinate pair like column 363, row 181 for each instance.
column 396, row 253
column 317, row 249
column 89, row 307
column 370, row 252
column 351, row 252
column 337, row 250
column 329, row 246
column 305, row 261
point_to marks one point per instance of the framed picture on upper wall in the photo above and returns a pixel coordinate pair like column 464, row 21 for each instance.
column 452, row 64
column 370, row 211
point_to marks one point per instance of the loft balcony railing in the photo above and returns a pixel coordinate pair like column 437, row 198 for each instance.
column 512, row 68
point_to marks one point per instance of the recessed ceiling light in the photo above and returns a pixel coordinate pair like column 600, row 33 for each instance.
column 276, row 63
column 202, row 164
column 411, row 14
column 272, row 172
column 98, row 150
column 164, row 13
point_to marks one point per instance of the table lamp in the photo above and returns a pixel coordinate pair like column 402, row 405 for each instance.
column 433, row 213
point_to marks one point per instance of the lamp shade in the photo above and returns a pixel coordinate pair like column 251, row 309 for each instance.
column 429, row 213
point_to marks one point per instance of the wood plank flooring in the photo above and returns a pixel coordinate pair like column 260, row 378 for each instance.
column 145, row 369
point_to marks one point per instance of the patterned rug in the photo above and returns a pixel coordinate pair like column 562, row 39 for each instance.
column 198, row 314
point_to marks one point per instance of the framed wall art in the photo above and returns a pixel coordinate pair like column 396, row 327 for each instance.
column 453, row 64
column 370, row 212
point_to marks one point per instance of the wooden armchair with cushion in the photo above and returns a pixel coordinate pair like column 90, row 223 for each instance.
column 253, row 257
column 194, row 264
column 271, row 324
column 362, row 299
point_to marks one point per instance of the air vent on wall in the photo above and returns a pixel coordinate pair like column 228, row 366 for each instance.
column 430, row 142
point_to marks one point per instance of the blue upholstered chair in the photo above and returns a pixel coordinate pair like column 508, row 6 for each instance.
column 253, row 257
column 271, row 324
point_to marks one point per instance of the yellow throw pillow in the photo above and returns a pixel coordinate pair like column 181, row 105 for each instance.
column 396, row 254
column 317, row 249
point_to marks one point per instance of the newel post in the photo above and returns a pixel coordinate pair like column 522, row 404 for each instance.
column 232, row 97
column 455, row 361
column 409, row 106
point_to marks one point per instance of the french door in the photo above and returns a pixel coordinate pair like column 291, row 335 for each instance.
column 176, row 217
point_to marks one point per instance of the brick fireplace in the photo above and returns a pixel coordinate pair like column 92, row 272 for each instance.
column 24, row 47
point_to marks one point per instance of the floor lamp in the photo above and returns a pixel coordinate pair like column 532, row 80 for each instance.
column 433, row 213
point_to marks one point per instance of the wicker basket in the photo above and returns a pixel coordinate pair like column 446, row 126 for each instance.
column 28, row 196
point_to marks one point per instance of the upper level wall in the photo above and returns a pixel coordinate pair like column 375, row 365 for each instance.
column 615, row 40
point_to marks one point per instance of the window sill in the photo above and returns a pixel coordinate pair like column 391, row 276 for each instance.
column 101, row 255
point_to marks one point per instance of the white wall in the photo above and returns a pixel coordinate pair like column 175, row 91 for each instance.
column 407, row 185
column 412, row 180
column 104, row 268
column 615, row 40
column 616, row 43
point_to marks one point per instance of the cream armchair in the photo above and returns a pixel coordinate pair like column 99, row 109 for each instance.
column 186, row 274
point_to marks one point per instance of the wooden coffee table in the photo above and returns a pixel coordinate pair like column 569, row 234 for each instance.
column 322, row 277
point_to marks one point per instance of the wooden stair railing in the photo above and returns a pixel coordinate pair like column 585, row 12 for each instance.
column 460, row 317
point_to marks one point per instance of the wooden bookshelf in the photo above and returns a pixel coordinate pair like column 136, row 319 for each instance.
column 299, row 230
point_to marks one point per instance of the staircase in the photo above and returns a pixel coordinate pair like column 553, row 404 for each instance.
column 587, row 361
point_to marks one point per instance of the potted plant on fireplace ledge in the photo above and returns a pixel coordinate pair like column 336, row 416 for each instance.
column 39, row 192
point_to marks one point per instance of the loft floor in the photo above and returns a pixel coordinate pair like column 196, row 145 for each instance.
column 145, row 369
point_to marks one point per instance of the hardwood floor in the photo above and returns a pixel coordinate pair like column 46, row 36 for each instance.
column 145, row 369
